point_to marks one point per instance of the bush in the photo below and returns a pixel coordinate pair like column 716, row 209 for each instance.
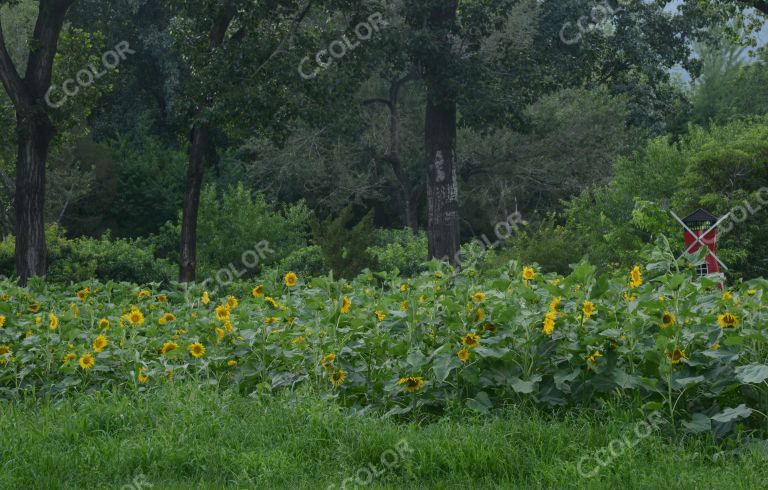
column 234, row 222
column 83, row 259
column 345, row 246
column 400, row 250
column 307, row 261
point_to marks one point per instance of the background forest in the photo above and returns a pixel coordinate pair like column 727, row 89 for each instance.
column 584, row 121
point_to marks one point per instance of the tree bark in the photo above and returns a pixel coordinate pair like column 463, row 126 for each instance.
column 442, row 181
column 34, row 132
column 200, row 139
column 440, row 141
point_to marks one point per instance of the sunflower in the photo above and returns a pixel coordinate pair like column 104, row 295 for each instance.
column 290, row 279
column 162, row 298
column 100, row 343
column 232, row 302
column 478, row 297
column 2, row 321
column 167, row 318
column 298, row 340
column 588, row 309
column 87, row 361
column 71, row 356
column 752, row 292
column 272, row 302
column 34, row 308
column 676, row 356
column 327, row 360
column 53, row 321
column 5, row 350
column 470, row 340
column 403, row 287
column 668, row 319
column 346, row 304
column 104, row 324
column 728, row 320
column 206, row 299
column 380, row 315
column 555, row 304
column 549, row 323
column 635, row 278
column 404, row 306
column 338, row 377
column 412, row 383
column 83, row 294
column 529, row 274
column 219, row 334
column 5, row 297
column 258, row 291
column 144, row 293
column 479, row 315
column 231, row 363
column 593, row 358
column 727, row 296
column 197, row 350
column 464, row 355
column 168, row 347
column 222, row 313
column 135, row 317
column 142, row 376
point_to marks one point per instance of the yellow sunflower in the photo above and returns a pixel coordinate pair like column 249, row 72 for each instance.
column 290, row 279
column 167, row 318
column 168, row 347
column 220, row 334
column 162, row 298
column 328, row 360
column 593, row 358
column 83, row 294
column 338, row 377
column 412, row 384
column 104, row 324
column 34, row 308
column 346, row 304
column 380, row 315
column 668, row 319
column 144, row 293
column 197, row 350
column 470, row 340
column 478, row 297
column 206, row 299
column 555, row 304
column 232, row 302
column 87, row 361
column 404, row 306
column 100, row 343
column 549, row 323
column 479, row 315
column 635, row 278
column 2, row 321
column 53, row 321
column 676, row 356
column 588, row 309
column 258, row 291
column 222, row 313
column 403, row 287
column 142, row 376
column 728, row 320
column 71, row 356
column 135, row 317
column 529, row 274
column 464, row 355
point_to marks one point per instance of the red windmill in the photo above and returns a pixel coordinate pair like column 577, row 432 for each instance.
column 701, row 231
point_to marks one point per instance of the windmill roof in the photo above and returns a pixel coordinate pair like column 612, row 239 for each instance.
column 699, row 215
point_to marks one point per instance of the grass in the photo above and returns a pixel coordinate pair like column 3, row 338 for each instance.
column 187, row 436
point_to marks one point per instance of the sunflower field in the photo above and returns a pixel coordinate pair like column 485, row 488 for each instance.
column 476, row 338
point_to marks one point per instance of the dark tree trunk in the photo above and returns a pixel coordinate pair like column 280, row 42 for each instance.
column 440, row 136
column 34, row 140
column 199, row 142
column 442, row 181
column 34, row 132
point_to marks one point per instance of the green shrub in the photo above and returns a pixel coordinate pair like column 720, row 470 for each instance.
column 400, row 250
column 308, row 261
column 85, row 258
column 344, row 245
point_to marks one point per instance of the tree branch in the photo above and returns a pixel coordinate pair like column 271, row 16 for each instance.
column 9, row 76
column 45, row 39
column 760, row 5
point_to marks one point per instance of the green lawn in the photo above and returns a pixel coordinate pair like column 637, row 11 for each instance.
column 182, row 436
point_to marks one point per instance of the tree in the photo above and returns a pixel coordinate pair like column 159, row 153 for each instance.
column 35, row 131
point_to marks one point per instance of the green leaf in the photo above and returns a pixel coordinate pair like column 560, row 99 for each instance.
column 524, row 387
column 698, row 423
column 752, row 373
column 731, row 414
column 481, row 403
column 443, row 365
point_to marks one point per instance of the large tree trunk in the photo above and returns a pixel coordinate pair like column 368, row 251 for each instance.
column 34, row 140
column 442, row 181
column 199, row 142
